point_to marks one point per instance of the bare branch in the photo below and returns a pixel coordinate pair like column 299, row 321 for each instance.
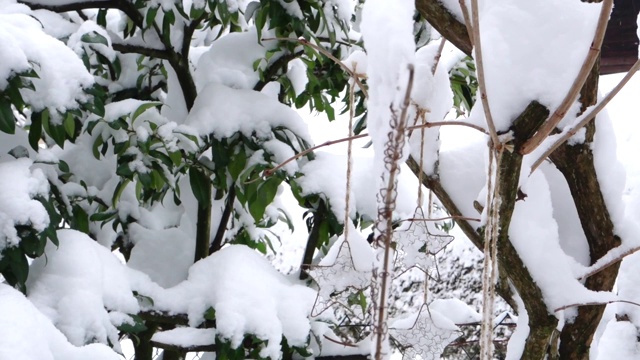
column 136, row 49
column 482, row 87
column 122, row 5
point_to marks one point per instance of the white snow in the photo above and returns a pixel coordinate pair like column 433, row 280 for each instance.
column 229, row 60
column 154, row 249
column 619, row 341
column 297, row 74
column 318, row 180
column 387, row 31
column 27, row 334
column 248, row 295
column 544, row 66
column 223, row 111
column 62, row 76
column 455, row 310
column 77, row 284
column 186, row 337
column 19, row 184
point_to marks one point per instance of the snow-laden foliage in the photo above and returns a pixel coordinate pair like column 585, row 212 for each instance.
column 155, row 156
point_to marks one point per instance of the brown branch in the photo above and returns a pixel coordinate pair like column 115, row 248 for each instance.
column 482, row 87
column 581, row 78
column 146, row 51
column 588, row 117
column 216, row 244
column 122, row 5
column 607, row 264
column 565, row 307
column 442, row 20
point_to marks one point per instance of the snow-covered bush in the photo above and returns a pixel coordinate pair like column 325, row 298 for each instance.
column 153, row 162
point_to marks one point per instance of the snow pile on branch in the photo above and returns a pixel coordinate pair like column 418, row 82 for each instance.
column 82, row 288
column 223, row 111
column 387, row 30
column 25, row 46
column 19, row 184
column 525, row 56
column 27, row 334
column 248, row 294
column 229, row 60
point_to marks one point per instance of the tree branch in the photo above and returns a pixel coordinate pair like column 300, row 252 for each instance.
column 224, row 220
column 442, row 20
column 122, row 5
column 136, row 49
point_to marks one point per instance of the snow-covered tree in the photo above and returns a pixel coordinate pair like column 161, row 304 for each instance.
column 151, row 159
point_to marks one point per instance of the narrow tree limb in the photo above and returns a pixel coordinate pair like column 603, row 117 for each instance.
column 442, row 20
column 146, row 51
column 482, row 87
column 216, row 244
column 126, row 7
column 203, row 226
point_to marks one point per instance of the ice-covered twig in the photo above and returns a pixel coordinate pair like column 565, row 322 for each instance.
column 589, row 116
column 574, row 91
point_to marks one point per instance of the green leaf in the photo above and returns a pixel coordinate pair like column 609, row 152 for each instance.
column 237, row 165
column 138, row 325
column 7, row 120
column 200, row 185
column 105, row 216
column 35, row 130
column 118, row 191
column 63, row 166
column 19, row 152
column 69, row 124
column 80, row 219
column 210, row 314
column 151, row 16
column 94, row 38
column 144, row 107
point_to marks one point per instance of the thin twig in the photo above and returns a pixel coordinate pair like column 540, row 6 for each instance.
column 596, row 303
column 438, row 55
column 609, row 263
column 452, row 217
column 482, row 87
column 271, row 171
column 324, row 51
column 588, row 117
column 557, row 116
column 467, row 19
